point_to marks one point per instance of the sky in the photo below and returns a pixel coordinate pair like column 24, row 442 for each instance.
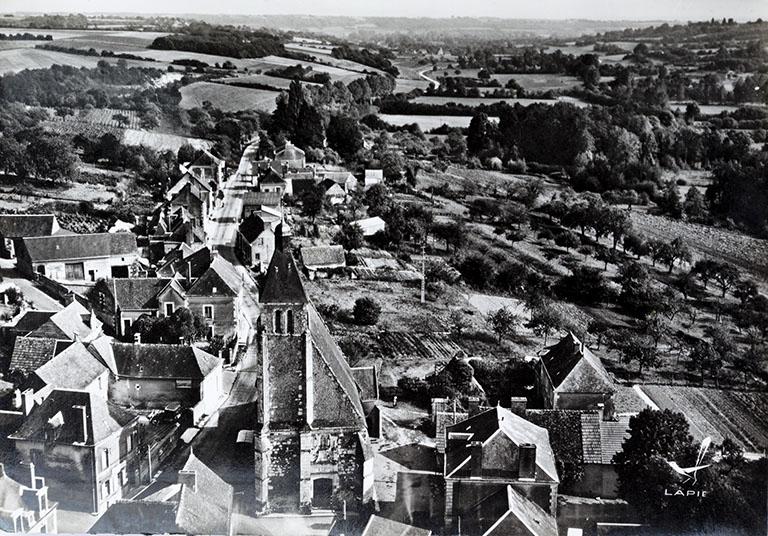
column 682, row 10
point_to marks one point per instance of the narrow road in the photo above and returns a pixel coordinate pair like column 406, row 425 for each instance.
column 428, row 79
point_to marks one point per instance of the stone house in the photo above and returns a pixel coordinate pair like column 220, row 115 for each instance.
column 14, row 227
column 255, row 201
column 82, row 445
column 289, row 158
column 78, row 258
column 195, row 200
column 24, row 504
column 215, row 297
column 311, row 440
column 255, row 242
column 119, row 302
column 272, row 182
column 207, row 168
column 319, row 261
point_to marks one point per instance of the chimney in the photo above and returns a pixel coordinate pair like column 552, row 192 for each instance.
column 181, row 340
column 518, row 405
column 189, row 479
column 476, row 459
column 17, row 399
column 137, row 338
column 189, row 273
column 81, row 414
column 601, row 411
column 473, row 403
column 527, row 462
column 28, row 401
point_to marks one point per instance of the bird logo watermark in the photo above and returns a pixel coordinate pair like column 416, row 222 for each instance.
column 689, row 474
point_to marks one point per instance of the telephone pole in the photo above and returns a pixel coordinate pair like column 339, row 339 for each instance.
column 423, row 270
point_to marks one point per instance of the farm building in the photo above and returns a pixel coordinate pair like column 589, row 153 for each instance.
column 157, row 375
column 570, row 376
column 25, row 507
column 14, row 227
column 321, row 260
column 371, row 226
column 373, row 176
column 489, row 454
column 78, row 258
column 255, row 242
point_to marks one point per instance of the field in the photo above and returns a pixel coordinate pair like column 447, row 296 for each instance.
column 715, row 413
column 160, row 141
column 476, row 101
column 227, row 98
column 428, row 122
column 706, row 109
column 18, row 59
column 273, row 81
column 101, row 116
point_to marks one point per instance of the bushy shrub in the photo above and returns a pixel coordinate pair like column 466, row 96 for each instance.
column 366, row 311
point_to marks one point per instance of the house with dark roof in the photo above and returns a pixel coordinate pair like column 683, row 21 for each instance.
column 24, row 504
column 319, row 261
column 75, row 367
column 508, row 512
column 311, row 417
column 14, row 227
column 195, row 200
column 201, row 503
column 254, row 201
column 84, row 446
column 215, row 297
column 272, row 182
column 207, row 167
column 78, row 258
column 255, row 242
column 489, row 452
column 159, row 375
column 205, row 187
column 187, row 265
column 119, row 302
column 570, row 376
column 381, row 526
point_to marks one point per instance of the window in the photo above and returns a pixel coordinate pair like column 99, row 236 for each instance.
column 183, row 384
column 168, row 308
column 41, row 269
column 126, row 326
column 106, row 489
column 289, row 321
column 102, row 299
column 74, row 271
column 92, row 275
column 129, row 442
column 208, row 311
column 104, row 458
column 121, row 478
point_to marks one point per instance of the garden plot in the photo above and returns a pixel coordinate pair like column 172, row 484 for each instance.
column 227, row 97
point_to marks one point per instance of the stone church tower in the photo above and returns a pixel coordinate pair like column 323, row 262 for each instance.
column 311, row 439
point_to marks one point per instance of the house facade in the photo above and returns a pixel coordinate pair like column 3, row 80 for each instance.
column 255, row 242
column 215, row 297
column 25, row 507
column 119, row 302
column 78, row 258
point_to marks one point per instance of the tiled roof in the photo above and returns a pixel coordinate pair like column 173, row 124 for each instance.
column 31, row 320
column 320, row 256
column 170, row 361
column 221, row 276
column 270, row 199
column 74, row 321
column 271, row 177
column 530, row 514
column 381, row 526
column 208, row 508
column 21, row 225
column 283, row 282
column 74, row 368
column 573, row 368
column 30, row 353
column 137, row 293
column 612, row 436
column 367, row 381
column 87, row 246
column 200, row 261
column 59, row 419
column 519, row 430
column 591, row 442
column 251, row 227
column 138, row 517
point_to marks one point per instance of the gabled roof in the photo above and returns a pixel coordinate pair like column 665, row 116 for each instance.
column 573, row 368
column 188, row 194
column 206, row 158
column 74, row 368
column 612, row 437
column 200, row 261
column 138, row 517
column 283, row 282
column 30, row 353
column 165, row 361
column 27, row 225
column 381, row 526
column 251, row 227
column 207, row 509
column 137, row 293
column 58, row 419
column 270, row 199
column 529, row 514
column 221, row 279
column 289, row 152
column 86, row 246
column 101, row 348
column 30, row 320
column 501, row 420
column 321, row 256
column 74, row 321
column 188, row 178
column 271, row 177
column 367, row 382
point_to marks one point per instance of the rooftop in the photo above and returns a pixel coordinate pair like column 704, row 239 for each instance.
column 321, row 256
column 27, row 225
column 73, row 368
column 137, row 293
column 221, row 279
column 171, row 361
column 381, row 526
column 573, row 368
column 87, row 246
column 283, row 282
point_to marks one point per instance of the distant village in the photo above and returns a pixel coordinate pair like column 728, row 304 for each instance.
column 115, row 402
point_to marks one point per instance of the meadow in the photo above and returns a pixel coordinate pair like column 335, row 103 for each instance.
column 227, row 97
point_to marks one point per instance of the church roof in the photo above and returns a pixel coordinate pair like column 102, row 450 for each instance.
column 283, row 282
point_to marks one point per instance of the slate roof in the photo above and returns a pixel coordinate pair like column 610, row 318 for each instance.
column 137, row 293
column 334, row 358
column 74, row 321
column 251, row 227
column 322, row 256
column 282, row 283
column 138, row 517
column 530, row 514
column 381, row 526
column 26, row 225
column 208, row 508
column 271, row 177
column 222, row 276
column 57, row 419
column 573, row 368
column 171, row 361
column 30, row 353
column 520, row 431
column 73, row 368
column 200, row 261
column 270, row 199
column 86, row 246
column 302, row 185
column 31, row 320
column 367, row 381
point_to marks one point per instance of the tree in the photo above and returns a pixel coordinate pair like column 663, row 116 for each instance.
column 618, row 224
column 567, row 240
column 52, row 157
column 701, row 355
column 377, row 199
column 312, row 201
column 457, row 145
column 705, row 270
column 586, row 285
column 393, row 165
column 477, row 270
column 745, row 290
column 726, row 276
column 636, row 245
column 122, row 120
column 366, row 311
column 545, row 318
column 350, row 236
column 606, row 256
column 502, row 322
column 479, row 134
column 694, row 206
column 344, row 136
column 640, row 350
